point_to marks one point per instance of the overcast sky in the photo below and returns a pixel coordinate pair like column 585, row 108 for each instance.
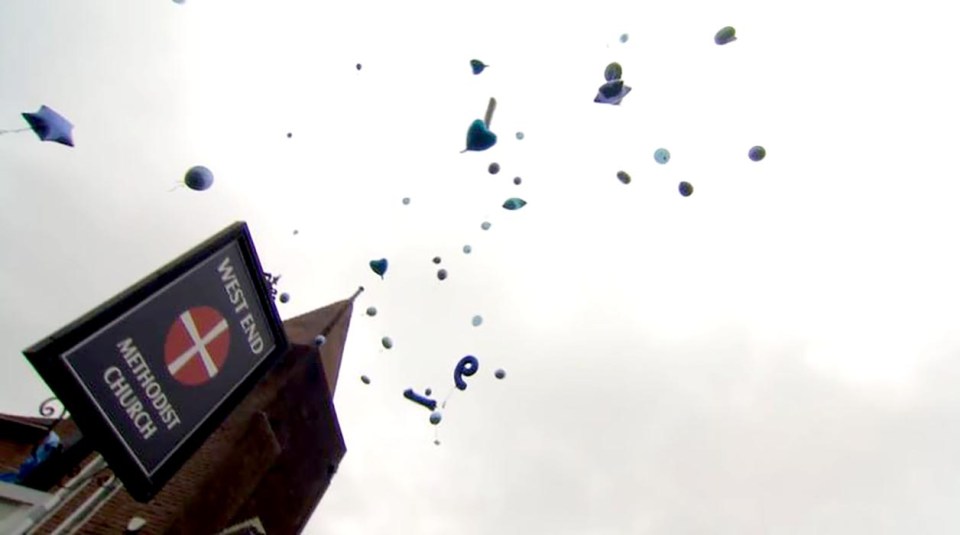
column 776, row 354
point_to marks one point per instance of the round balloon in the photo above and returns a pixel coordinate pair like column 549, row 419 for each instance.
column 494, row 168
column 295, row 232
column 612, row 73
column 442, row 274
column 726, row 35
column 387, row 342
column 406, row 200
column 320, row 340
column 520, row 135
column 198, row 178
column 757, row 153
column 359, row 66
column 517, row 180
column 436, row 260
column 500, row 374
column 365, row 379
column 477, row 320
column 623, row 177
column 289, row 135
column 662, row 156
column 624, row 37
column 284, row 297
column 371, row 311
column 427, row 392
column 435, row 417
column 467, row 249
column 686, row 189
column 485, row 225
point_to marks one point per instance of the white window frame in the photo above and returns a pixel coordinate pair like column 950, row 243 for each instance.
column 32, row 502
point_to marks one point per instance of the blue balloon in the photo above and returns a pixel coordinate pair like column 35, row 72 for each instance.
column 50, row 126
column 514, row 203
column 320, row 340
column 477, row 66
column 198, row 178
column 485, row 225
column 365, row 379
column 477, row 320
column 387, row 342
column 612, row 73
column 371, row 311
column 500, row 374
column 726, row 35
column 465, row 368
column 284, row 297
column 612, row 93
column 686, row 189
column 479, row 137
column 379, row 266
column 417, row 398
column 435, row 417
column 757, row 153
column 662, row 156
column 442, row 274
column 467, row 249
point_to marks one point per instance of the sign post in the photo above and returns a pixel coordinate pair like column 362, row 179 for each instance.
column 150, row 374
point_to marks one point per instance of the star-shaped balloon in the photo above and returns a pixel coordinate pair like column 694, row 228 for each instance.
column 612, row 93
column 50, row 126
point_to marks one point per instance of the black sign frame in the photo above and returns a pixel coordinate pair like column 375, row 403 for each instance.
column 46, row 357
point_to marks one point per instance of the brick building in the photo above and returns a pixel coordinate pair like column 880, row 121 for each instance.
column 265, row 468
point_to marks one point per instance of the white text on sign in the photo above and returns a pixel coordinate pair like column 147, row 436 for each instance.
column 235, row 292
column 132, row 404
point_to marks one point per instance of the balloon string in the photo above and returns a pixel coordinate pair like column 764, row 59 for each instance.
column 491, row 107
column 15, row 130
column 180, row 185
column 450, row 393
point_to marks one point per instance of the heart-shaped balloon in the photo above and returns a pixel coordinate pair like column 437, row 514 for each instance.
column 379, row 266
column 479, row 137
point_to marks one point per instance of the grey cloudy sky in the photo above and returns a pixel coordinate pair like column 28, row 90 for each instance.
column 776, row 354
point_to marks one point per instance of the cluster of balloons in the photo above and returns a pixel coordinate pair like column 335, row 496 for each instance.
column 466, row 367
column 480, row 137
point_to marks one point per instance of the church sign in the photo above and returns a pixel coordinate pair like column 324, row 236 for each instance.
column 152, row 373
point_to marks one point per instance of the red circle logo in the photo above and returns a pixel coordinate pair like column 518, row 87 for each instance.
column 196, row 346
